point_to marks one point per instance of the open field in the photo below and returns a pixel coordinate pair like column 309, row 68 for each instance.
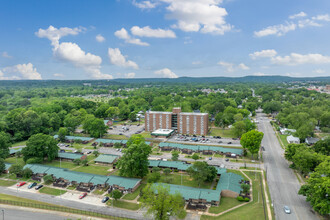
column 62, row 164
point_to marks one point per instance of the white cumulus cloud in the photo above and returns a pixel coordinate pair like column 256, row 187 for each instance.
column 54, row 35
column 123, row 34
column 118, row 59
column 99, row 38
column 231, row 67
column 298, row 21
column 71, row 52
column 144, row 4
column 58, row 75
column 129, row 75
column 298, row 15
column 27, row 71
column 205, row 16
column 296, row 59
column 263, row 53
column 166, row 73
column 319, row 71
column 149, row 32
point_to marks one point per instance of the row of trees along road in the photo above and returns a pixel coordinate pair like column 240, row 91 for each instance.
column 313, row 162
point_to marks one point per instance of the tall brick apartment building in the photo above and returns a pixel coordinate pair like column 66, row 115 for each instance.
column 182, row 122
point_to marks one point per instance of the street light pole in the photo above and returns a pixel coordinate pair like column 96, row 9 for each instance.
column 3, row 214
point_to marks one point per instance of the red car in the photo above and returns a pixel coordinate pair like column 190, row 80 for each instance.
column 83, row 195
column 21, row 184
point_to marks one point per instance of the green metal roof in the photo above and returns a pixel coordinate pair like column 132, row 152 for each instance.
column 106, row 158
column 229, row 181
column 68, row 155
column 69, row 175
column 178, row 165
column 194, row 193
column 201, row 147
column 14, row 150
column 75, row 138
column 7, row 166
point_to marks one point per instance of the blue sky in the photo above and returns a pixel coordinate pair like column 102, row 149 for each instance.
column 105, row 39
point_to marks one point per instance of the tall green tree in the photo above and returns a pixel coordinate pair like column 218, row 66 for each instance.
column 160, row 203
column 95, row 127
column 62, row 132
column 5, row 144
column 317, row 190
column 2, row 165
column 202, row 172
column 251, row 140
column 40, row 146
column 134, row 162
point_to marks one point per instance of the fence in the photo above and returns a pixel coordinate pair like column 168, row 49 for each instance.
column 61, row 209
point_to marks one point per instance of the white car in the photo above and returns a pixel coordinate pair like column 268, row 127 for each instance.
column 287, row 209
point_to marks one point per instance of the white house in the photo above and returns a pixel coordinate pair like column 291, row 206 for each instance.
column 293, row 140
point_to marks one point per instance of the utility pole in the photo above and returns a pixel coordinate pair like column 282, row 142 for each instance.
column 3, row 214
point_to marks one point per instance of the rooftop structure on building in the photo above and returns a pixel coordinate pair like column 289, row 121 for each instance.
column 182, row 122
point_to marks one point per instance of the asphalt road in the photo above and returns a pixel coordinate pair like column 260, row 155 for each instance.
column 283, row 184
column 77, row 205
column 18, row 214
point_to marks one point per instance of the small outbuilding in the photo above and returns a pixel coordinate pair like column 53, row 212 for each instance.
column 162, row 133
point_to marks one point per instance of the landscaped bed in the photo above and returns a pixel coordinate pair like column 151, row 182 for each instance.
column 132, row 196
column 52, row 191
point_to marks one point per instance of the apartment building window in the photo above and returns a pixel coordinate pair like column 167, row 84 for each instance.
column 195, row 124
column 167, row 121
column 187, row 119
column 160, row 121
column 202, row 125
column 154, row 121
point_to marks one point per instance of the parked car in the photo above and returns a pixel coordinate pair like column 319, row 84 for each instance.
column 21, row 184
column 229, row 142
column 210, row 158
column 227, row 160
column 32, row 185
column 62, row 151
column 287, row 209
column 39, row 187
column 89, row 152
column 105, row 199
column 83, row 195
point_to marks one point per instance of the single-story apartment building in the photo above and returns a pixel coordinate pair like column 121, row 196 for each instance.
column 106, row 159
column 71, row 156
column 162, row 133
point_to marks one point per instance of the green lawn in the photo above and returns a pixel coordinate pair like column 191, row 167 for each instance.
column 225, row 203
column 146, row 134
column 100, row 170
column 283, row 139
column 323, row 135
column 72, row 187
column 125, row 205
column 116, row 137
column 52, row 191
column 6, row 183
column 175, row 178
column 14, row 159
column 21, row 143
column 252, row 211
column 237, row 172
column 222, row 132
column 98, row 192
column 132, row 196
column 64, row 164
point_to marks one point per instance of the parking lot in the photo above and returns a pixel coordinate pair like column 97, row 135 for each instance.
column 126, row 130
column 205, row 140
column 89, row 199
